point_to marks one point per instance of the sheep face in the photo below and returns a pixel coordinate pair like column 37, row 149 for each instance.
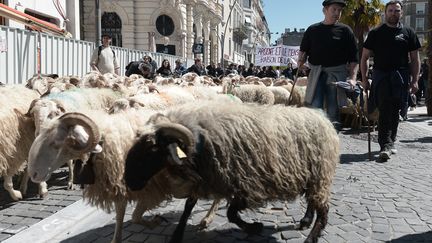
column 61, row 140
column 144, row 160
column 154, row 152
column 44, row 110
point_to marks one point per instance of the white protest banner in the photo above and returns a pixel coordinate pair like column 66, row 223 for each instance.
column 277, row 55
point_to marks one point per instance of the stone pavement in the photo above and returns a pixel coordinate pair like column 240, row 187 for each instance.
column 371, row 202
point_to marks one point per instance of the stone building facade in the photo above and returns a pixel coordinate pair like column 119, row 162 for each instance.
column 169, row 26
column 181, row 27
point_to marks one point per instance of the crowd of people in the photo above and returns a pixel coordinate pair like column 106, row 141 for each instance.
column 212, row 70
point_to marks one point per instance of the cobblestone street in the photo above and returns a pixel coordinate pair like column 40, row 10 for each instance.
column 371, row 202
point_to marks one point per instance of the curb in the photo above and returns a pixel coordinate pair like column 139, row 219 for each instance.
column 71, row 221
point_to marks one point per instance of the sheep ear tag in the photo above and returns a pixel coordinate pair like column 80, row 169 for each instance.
column 176, row 154
column 180, row 153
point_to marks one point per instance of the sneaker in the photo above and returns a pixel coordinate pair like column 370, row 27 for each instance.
column 384, row 155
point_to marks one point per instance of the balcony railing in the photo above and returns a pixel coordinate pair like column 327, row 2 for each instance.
column 241, row 32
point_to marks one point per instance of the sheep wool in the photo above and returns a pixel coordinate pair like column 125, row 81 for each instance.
column 16, row 130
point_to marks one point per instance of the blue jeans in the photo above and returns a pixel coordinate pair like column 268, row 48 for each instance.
column 326, row 92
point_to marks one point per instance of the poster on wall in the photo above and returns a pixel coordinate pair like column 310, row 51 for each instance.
column 277, row 55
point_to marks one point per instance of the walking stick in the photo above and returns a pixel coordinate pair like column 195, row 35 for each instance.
column 368, row 128
column 292, row 89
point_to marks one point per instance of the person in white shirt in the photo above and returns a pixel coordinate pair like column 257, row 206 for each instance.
column 103, row 58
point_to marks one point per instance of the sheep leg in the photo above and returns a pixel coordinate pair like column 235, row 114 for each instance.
column 306, row 221
column 71, row 174
column 320, row 223
column 206, row 221
column 179, row 231
column 8, row 186
column 42, row 189
column 24, row 182
column 138, row 213
column 120, row 208
column 235, row 206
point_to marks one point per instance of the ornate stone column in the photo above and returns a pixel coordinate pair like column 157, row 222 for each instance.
column 206, row 28
column 199, row 26
column 215, row 41
column 189, row 27
column 183, row 44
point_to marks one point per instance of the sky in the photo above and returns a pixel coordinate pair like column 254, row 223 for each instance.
column 281, row 14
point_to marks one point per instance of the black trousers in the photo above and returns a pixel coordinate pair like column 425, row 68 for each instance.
column 388, row 121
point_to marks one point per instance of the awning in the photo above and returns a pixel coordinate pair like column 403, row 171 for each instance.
column 31, row 21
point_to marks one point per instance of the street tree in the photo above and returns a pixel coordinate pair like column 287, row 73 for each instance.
column 361, row 16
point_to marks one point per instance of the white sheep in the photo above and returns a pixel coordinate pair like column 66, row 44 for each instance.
column 17, row 134
column 53, row 105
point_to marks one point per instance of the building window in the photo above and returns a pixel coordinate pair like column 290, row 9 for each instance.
column 165, row 25
column 420, row 24
column 112, row 25
column 420, row 8
column 247, row 3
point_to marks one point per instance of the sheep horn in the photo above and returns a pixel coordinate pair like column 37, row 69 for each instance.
column 75, row 118
column 178, row 131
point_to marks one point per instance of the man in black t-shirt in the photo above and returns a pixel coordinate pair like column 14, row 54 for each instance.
column 331, row 50
column 396, row 69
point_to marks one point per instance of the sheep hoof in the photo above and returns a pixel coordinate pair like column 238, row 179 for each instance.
column 311, row 240
column 43, row 191
column 203, row 224
column 254, row 228
column 70, row 186
column 305, row 223
column 16, row 195
column 153, row 223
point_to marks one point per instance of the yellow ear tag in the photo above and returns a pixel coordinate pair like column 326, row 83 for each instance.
column 180, row 153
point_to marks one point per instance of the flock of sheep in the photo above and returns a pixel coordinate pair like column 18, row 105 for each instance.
column 191, row 137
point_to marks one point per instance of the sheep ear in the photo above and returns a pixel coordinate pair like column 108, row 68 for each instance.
column 77, row 137
column 97, row 149
column 176, row 154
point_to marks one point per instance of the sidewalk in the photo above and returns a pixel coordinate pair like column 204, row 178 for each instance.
column 371, row 202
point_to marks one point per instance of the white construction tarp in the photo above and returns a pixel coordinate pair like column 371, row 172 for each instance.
column 277, row 55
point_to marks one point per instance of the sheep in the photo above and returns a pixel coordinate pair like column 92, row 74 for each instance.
column 298, row 94
column 250, row 93
column 71, row 100
column 94, row 79
column 53, row 105
column 17, row 134
column 40, row 83
column 281, row 95
column 246, row 153
column 74, row 135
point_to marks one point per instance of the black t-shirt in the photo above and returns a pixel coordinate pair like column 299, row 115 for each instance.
column 329, row 45
column 390, row 46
